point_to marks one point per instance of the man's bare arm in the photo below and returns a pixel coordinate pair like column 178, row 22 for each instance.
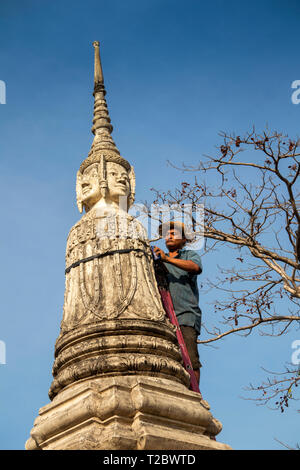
column 186, row 265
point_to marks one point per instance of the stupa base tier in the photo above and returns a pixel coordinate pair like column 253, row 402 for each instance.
column 126, row 413
column 117, row 347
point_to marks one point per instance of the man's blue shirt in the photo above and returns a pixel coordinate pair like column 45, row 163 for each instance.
column 184, row 290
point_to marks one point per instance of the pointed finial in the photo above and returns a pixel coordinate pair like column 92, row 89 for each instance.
column 103, row 147
column 101, row 117
column 98, row 74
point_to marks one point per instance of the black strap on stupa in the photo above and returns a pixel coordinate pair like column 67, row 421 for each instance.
column 101, row 255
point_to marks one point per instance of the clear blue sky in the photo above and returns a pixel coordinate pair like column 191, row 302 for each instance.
column 176, row 74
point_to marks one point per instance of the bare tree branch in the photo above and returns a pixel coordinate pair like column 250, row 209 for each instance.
column 255, row 212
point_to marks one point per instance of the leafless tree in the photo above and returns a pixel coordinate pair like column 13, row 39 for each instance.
column 252, row 204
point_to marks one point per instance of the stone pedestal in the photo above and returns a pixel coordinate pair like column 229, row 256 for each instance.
column 126, row 412
column 121, row 385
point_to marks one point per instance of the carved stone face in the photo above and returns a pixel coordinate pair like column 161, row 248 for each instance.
column 90, row 188
column 117, row 181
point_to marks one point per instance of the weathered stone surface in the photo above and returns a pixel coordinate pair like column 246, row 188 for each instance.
column 117, row 348
column 117, row 285
column 118, row 413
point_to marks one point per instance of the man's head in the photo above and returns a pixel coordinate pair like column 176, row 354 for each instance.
column 174, row 235
column 174, row 240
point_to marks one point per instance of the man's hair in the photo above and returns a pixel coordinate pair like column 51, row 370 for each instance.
column 173, row 225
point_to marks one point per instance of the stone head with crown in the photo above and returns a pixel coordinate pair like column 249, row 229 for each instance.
column 105, row 182
column 104, row 179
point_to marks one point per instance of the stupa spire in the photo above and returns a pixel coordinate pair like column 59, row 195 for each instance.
column 98, row 73
column 101, row 119
column 103, row 145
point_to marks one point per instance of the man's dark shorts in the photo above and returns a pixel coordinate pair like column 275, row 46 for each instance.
column 190, row 336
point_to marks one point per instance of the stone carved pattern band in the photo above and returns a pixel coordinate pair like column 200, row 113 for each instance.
column 113, row 344
column 114, row 327
column 112, row 156
column 86, row 231
column 134, row 347
column 126, row 364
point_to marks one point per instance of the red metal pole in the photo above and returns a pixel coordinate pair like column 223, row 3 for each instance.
column 168, row 306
